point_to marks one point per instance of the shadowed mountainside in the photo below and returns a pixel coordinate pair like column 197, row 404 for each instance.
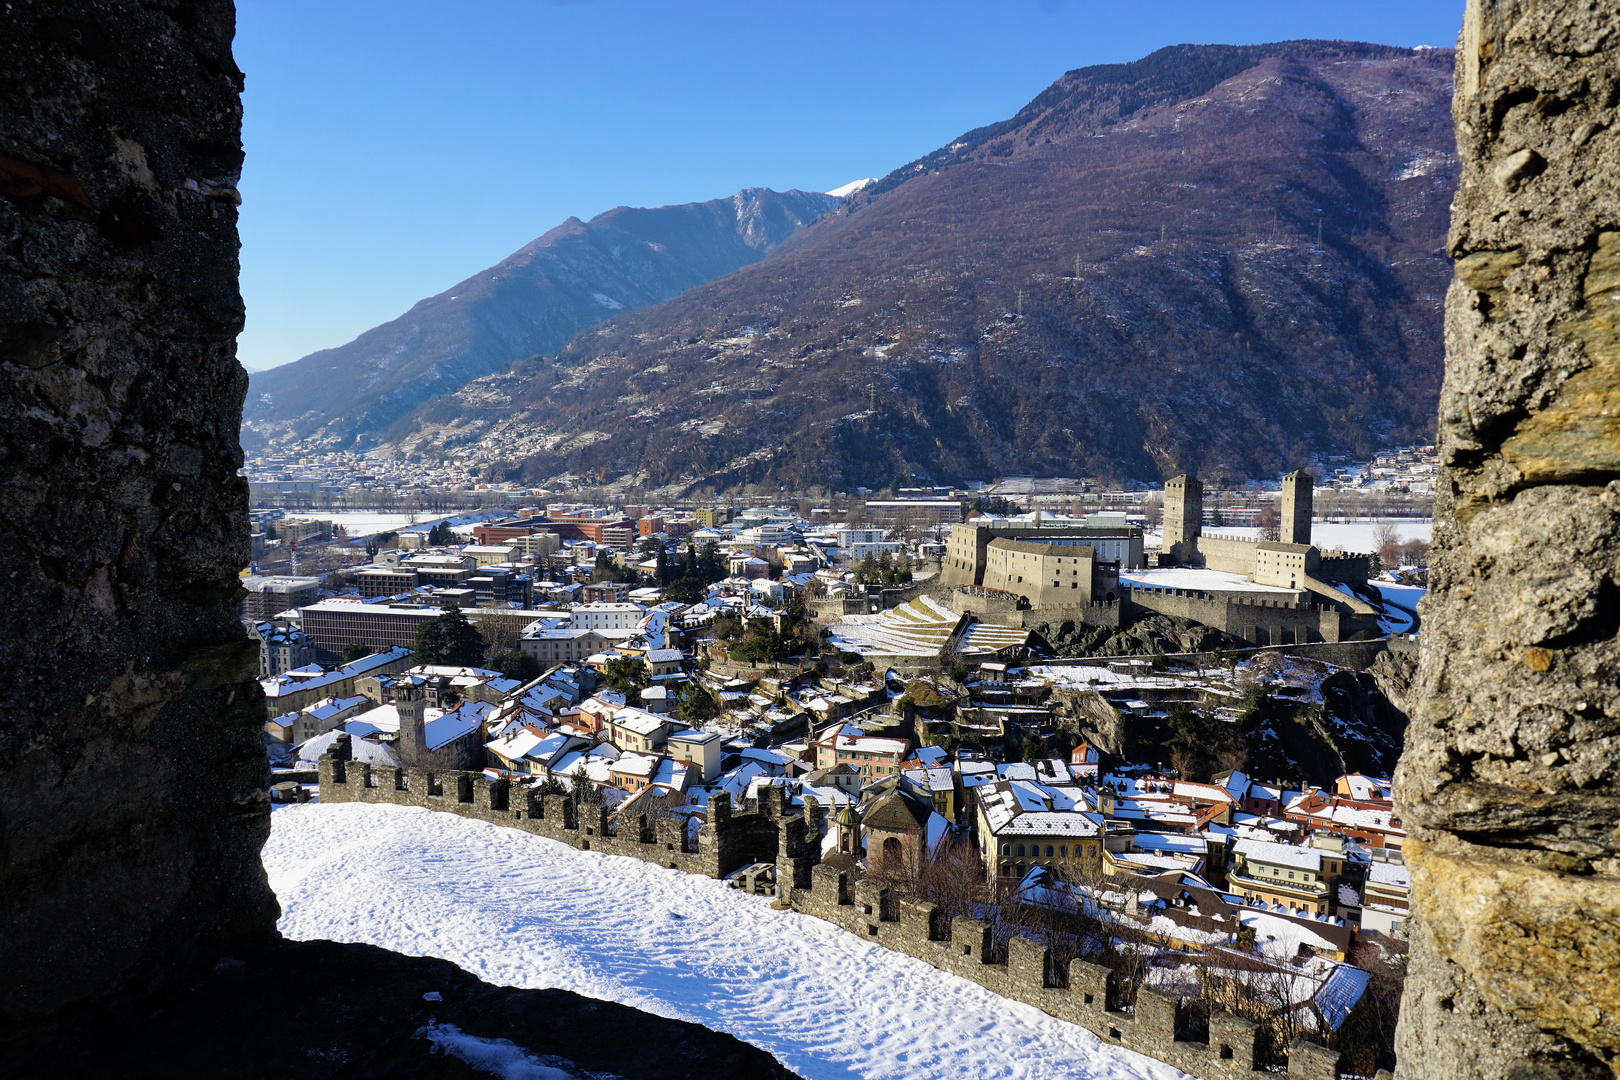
column 571, row 278
column 1217, row 258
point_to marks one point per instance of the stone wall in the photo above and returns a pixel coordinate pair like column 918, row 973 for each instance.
column 774, row 832
column 1081, row 995
column 133, row 778
column 1262, row 623
column 1510, row 785
column 1231, row 556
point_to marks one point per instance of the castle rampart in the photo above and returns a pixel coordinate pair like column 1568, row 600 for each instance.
column 771, row 830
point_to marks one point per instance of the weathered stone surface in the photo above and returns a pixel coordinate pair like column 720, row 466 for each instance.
column 1510, row 784
column 132, row 775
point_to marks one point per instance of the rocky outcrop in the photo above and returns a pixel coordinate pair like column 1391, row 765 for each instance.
column 1165, row 634
column 132, row 769
column 1510, row 785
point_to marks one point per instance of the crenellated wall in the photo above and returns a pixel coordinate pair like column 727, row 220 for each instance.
column 772, row 831
column 1081, row 995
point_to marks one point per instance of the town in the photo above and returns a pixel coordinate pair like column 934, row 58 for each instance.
column 954, row 700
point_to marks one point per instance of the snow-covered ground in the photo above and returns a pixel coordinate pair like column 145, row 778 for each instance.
column 364, row 523
column 1357, row 536
column 520, row 910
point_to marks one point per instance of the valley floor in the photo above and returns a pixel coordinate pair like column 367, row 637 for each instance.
column 523, row 911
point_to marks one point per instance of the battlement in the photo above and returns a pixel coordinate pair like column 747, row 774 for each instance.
column 1078, row 992
column 770, row 829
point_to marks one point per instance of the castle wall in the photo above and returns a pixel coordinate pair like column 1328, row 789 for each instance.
column 1510, row 782
column 1228, row 555
column 1257, row 622
column 773, row 832
column 1079, row 993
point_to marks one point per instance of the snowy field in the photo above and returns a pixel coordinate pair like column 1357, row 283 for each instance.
column 520, row 910
column 361, row 523
column 1358, row 535
column 1353, row 536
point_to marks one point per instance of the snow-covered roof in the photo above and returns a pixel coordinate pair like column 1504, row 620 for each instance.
column 1275, row 854
column 639, row 721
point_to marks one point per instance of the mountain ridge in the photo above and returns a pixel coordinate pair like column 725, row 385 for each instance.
column 572, row 276
column 1217, row 258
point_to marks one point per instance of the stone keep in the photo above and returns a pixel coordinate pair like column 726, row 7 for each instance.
column 1510, row 784
column 1294, row 516
column 1183, row 518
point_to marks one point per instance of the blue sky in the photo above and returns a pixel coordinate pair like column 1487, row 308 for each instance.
column 396, row 148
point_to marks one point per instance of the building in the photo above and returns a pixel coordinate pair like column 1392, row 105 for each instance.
column 449, row 741
column 1049, row 574
column 896, row 824
column 1022, row 826
column 600, row 615
column 281, row 649
column 636, row 730
column 931, row 511
column 563, row 645
column 1299, row 877
column 700, row 750
column 605, row 592
column 662, row 663
column 967, row 555
column 338, row 622
column 871, row 756
column 711, row 517
column 537, row 545
column 1386, row 898
column 293, row 690
column 490, row 554
column 268, row 597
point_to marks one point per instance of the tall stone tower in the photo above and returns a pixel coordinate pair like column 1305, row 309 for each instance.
column 1294, row 525
column 412, row 708
column 1183, row 519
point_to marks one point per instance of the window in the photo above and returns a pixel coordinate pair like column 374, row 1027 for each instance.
column 1063, row 851
column 1006, row 849
column 1020, row 851
column 1048, row 851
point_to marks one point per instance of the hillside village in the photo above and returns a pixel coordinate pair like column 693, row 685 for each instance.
column 899, row 674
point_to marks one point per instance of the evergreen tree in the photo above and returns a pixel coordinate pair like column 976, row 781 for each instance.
column 696, row 705
column 627, row 675
column 450, row 639
column 516, row 664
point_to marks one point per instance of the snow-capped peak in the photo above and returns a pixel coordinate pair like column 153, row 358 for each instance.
column 852, row 187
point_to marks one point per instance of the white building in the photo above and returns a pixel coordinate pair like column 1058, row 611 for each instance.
column 604, row 616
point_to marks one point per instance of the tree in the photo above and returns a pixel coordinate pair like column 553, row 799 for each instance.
column 353, row 652
column 270, row 530
column 696, row 705
column 607, row 568
column 686, row 590
column 516, row 664
column 627, row 675
column 1270, row 524
column 450, row 639
column 661, row 569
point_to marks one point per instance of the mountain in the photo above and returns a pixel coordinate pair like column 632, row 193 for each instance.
column 1216, row 258
column 571, row 278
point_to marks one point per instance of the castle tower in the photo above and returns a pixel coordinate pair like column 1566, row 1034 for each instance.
column 412, row 724
column 1294, row 515
column 1183, row 519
